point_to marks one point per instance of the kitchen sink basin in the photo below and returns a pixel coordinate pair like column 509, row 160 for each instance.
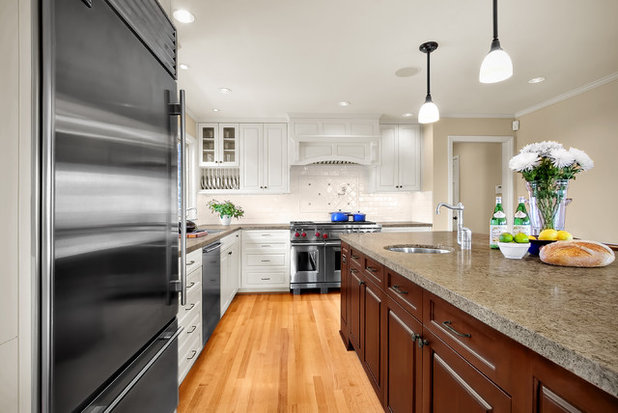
column 419, row 249
column 213, row 231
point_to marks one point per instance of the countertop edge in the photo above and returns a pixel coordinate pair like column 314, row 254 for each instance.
column 590, row 370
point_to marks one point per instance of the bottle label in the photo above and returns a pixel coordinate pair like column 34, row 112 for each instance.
column 494, row 234
column 526, row 229
column 520, row 214
column 499, row 214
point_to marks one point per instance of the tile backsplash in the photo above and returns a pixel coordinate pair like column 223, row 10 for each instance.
column 316, row 190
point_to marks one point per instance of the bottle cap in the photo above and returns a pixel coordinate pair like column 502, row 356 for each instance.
column 522, row 199
column 498, row 200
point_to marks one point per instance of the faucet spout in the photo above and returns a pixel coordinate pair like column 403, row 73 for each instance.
column 464, row 235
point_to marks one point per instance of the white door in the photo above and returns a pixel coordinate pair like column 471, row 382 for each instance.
column 455, row 179
column 409, row 155
column 250, row 150
column 275, row 161
column 387, row 171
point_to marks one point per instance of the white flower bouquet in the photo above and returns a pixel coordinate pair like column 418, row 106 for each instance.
column 547, row 168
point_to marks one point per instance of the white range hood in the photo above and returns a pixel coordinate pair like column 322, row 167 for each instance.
column 327, row 138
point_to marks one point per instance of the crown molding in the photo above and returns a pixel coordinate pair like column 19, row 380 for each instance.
column 571, row 93
column 477, row 115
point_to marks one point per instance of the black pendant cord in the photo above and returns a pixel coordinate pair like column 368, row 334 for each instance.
column 495, row 19
column 428, row 83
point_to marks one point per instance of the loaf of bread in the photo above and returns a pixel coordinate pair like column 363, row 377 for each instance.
column 577, row 254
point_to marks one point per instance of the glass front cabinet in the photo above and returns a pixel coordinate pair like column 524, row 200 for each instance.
column 218, row 144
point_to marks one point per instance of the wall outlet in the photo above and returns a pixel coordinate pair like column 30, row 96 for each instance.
column 515, row 125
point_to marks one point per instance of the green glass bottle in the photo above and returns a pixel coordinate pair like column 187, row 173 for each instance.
column 521, row 221
column 497, row 224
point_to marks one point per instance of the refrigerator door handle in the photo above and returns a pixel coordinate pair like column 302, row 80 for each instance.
column 179, row 110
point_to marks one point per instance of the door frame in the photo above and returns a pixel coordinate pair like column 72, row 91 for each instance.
column 508, row 147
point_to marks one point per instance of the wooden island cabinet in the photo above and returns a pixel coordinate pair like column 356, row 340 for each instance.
column 422, row 354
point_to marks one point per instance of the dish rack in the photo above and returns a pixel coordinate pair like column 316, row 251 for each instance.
column 220, row 178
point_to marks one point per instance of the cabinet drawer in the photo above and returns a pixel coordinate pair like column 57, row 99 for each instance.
column 356, row 258
column 229, row 240
column 374, row 271
column 481, row 345
column 266, row 235
column 266, row 246
column 194, row 297
column 188, row 352
column 405, row 292
column 268, row 260
column 194, row 277
column 192, row 328
column 194, row 260
column 266, row 278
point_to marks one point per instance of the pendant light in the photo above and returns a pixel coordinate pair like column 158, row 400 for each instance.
column 497, row 65
column 429, row 112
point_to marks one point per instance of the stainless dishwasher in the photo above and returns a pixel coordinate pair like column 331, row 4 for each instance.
column 211, row 289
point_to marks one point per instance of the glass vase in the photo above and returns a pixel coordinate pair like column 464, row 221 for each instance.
column 547, row 204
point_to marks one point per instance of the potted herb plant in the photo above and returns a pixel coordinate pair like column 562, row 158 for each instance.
column 226, row 211
column 547, row 168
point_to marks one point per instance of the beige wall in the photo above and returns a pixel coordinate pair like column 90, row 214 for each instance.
column 446, row 127
column 191, row 126
column 589, row 122
column 480, row 170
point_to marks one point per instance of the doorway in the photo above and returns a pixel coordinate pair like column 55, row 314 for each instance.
column 478, row 171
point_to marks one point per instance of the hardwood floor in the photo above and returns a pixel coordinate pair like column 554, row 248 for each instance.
column 278, row 352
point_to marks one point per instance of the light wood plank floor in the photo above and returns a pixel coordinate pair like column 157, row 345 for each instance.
column 278, row 353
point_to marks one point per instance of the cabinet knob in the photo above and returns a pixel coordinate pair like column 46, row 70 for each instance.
column 229, row 253
column 421, row 341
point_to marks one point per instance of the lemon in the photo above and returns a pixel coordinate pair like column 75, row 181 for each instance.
column 531, row 237
column 521, row 238
column 506, row 237
column 549, row 234
column 564, row 236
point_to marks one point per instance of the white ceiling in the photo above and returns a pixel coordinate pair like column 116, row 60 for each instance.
column 281, row 56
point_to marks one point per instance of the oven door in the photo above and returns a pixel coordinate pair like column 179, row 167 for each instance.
column 332, row 258
column 306, row 263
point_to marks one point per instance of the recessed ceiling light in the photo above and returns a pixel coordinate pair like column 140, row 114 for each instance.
column 183, row 66
column 406, row 115
column 344, row 103
column 183, row 16
column 225, row 91
column 536, row 79
column 215, row 110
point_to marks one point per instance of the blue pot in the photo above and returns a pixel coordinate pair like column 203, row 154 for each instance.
column 358, row 217
column 339, row 216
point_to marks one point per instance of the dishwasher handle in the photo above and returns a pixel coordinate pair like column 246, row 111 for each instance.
column 211, row 248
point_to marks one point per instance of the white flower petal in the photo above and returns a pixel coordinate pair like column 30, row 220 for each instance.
column 561, row 158
column 582, row 159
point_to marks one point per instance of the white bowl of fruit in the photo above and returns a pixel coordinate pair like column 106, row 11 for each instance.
column 514, row 247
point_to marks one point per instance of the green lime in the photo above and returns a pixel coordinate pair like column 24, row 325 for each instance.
column 506, row 237
column 521, row 238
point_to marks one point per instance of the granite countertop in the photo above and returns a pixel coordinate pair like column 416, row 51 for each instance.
column 568, row 315
column 405, row 224
column 197, row 243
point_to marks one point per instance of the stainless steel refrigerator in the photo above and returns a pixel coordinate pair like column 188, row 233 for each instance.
column 109, row 207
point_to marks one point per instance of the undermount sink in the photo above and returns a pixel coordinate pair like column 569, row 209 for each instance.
column 419, row 249
column 213, row 231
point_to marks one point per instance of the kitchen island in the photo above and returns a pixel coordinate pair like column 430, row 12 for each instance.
column 565, row 315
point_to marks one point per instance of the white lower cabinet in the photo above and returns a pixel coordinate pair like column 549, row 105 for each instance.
column 230, row 269
column 265, row 260
column 190, row 316
column 9, row 376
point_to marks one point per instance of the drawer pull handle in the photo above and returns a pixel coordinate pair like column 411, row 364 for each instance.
column 266, row 235
column 229, row 253
column 193, row 353
column 194, row 328
column 191, row 285
column 265, row 260
column 399, row 290
column 343, row 258
column 361, row 282
column 190, row 307
column 265, row 279
column 447, row 324
column 354, row 257
column 266, row 246
column 421, row 341
column 353, row 270
column 371, row 269
column 190, row 263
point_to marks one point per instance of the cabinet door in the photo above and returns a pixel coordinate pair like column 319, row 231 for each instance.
column 234, row 269
column 356, row 291
column 208, row 133
column 275, row 158
column 372, row 309
column 387, row 171
column 451, row 384
column 409, row 158
column 403, row 360
column 344, row 290
column 228, row 144
column 225, row 279
column 251, row 147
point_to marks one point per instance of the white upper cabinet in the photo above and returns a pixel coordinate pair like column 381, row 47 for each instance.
column 218, row 144
column 400, row 159
column 264, row 166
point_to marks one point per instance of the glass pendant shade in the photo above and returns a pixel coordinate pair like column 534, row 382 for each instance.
column 496, row 67
column 429, row 112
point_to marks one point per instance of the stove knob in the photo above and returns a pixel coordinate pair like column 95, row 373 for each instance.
column 304, row 234
column 296, row 234
column 317, row 234
column 325, row 236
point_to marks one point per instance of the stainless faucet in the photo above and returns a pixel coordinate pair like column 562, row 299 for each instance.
column 464, row 235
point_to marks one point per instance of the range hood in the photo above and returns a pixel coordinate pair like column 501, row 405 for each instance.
column 334, row 138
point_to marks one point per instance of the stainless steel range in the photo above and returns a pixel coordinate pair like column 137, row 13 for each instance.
column 316, row 252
